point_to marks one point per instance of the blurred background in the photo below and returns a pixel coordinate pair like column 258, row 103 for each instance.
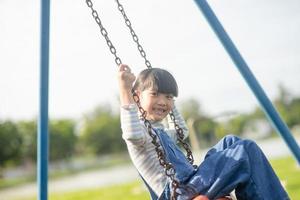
column 88, row 159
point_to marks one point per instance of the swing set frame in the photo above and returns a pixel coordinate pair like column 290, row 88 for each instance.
column 43, row 140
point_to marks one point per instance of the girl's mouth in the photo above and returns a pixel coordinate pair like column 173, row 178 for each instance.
column 159, row 111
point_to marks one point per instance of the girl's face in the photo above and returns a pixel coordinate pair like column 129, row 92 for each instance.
column 157, row 105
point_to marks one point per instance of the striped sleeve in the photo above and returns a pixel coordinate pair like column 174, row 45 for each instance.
column 132, row 129
column 141, row 149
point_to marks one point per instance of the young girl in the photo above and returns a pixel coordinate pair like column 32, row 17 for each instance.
column 232, row 164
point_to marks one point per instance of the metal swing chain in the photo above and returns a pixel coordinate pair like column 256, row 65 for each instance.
column 180, row 138
column 179, row 130
column 104, row 32
column 169, row 169
column 133, row 34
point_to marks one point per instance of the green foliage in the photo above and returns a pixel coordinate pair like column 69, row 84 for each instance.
column 62, row 146
column 203, row 125
column 288, row 107
column 10, row 143
column 221, row 131
column 101, row 132
column 237, row 124
column 293, row 117
column 191, row 108
column 62, row 139
column 28, row 130
column 206, row 130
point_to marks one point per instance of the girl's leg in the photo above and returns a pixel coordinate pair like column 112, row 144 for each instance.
column 263, row 181
column 237, row 164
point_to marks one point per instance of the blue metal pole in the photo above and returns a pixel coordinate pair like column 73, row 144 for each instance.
column 242, row 66
column 42, row 168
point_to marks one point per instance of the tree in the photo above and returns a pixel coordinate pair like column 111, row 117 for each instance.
column 237, row 124
column 10, row 143
column 28, row 130
column 203, row 125
column 294, row 112
column 62, row 139
column 191, row 108
column 282, row 102
column 101, row 132
column 288, row 107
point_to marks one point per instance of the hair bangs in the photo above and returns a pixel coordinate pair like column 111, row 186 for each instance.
column 157, row 79
column 166, row 83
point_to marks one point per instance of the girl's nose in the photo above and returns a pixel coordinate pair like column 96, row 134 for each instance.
column 162, row 104
column 161, row 101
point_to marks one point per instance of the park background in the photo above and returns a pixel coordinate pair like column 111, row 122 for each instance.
column 84, row 126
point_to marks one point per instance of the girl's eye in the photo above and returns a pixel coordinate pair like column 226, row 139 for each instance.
column 169, row 97
column 153, row 93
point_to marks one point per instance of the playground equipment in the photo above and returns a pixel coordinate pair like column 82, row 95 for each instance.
column 233, row 52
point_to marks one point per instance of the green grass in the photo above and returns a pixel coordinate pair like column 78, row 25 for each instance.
column 286, row 168
column 91, row 163
column 130, row 191
column 289, row 173
column 15, row 182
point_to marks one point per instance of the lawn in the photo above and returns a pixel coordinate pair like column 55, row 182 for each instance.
column 130, row 191
column 289, row 173
column 286, row 168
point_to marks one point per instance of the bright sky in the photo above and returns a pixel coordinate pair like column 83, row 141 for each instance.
column 174, row 35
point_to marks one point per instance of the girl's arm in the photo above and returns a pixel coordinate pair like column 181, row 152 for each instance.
column 126, row 79
column 131, row 127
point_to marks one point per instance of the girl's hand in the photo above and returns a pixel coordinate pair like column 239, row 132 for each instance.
column 126, row 78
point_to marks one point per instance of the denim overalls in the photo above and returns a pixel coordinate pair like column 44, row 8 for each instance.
column 231, row 164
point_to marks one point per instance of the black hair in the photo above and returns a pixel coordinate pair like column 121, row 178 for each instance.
column 156, row 78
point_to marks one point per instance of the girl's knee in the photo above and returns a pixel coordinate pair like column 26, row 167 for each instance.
column 249, row 142
column 231, row 139
column 250, row 145
column 224, row 143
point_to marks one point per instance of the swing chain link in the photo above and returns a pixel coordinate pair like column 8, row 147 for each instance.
column 133, row 34
column 179, row 130
column 104, row 32
column 168, row 167
column 180, row 138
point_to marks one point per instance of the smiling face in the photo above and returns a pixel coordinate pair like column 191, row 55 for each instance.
column 156, row 88
column 157, row 105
